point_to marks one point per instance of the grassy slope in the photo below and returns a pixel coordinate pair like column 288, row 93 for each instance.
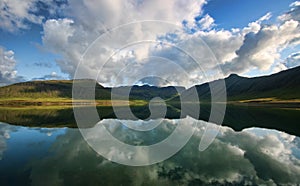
column 280, row 87
column 50, row 90
column 284, row 85
column 57, row 92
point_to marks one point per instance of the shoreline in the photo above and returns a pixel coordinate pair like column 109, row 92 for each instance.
column 68, row 102
column 63, row 102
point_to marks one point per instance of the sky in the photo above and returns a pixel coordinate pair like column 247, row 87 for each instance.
column 187, row 42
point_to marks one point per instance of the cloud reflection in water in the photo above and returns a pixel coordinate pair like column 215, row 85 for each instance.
column 253, row 156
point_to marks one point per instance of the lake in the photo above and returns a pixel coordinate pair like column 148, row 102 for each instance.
column 254, row 146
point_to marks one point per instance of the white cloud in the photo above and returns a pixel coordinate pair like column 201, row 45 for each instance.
column 294, row 12
column 206, row 23
column 265, row 17
column 296, row 3
column 269, row 152
column 8, row 73
column 223, row 43
column 99, row 15
column 256, row 46
column 234, row 158
column 70, row 37
column 57, row 39
column 16, row 14
column 262, row 49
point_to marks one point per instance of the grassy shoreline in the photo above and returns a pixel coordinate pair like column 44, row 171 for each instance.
column 67, row 102
column 267, row 102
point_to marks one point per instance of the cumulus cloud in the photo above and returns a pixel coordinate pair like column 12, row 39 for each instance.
column 224, row 45
column 261, row 49
column 207, row 22
column 15, row 14
column 56, row 39
column 270, row 153
column 8, row 73
column 250, row 157
column 70, row 36
column 256, row 46
column 114, row 13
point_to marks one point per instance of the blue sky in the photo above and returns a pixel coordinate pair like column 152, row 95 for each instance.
column 28, row 52
column 237, row 14
column 25, row 30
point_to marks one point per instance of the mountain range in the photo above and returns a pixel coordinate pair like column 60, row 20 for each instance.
column 282, row 86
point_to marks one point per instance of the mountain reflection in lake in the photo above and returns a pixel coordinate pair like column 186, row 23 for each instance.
column 236, row 117
column 60, row 156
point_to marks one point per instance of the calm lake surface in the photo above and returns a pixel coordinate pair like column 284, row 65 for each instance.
column 34, row 152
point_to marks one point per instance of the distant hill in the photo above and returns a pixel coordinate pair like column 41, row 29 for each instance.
column 147, row 92
column 47, row 89
column 54, row 89
column 284, row 85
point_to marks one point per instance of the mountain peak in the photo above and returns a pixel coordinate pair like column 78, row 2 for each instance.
column 233, row 76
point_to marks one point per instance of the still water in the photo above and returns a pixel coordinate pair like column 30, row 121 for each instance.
column 60, row 156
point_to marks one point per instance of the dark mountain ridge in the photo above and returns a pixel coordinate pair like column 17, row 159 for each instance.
column 63, row 89
column 284, row 85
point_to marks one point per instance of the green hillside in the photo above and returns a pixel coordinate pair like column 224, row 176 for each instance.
column 47, row 89
column 60, row 91
column 284, row 85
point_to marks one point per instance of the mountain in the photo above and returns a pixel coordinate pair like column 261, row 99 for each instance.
column 51, row 89
column 62, row 89
column 147, row 92
column 284, row 85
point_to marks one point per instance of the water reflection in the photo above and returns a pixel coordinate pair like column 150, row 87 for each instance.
column 60, row 156
column 102, row 139
column 236, row 117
